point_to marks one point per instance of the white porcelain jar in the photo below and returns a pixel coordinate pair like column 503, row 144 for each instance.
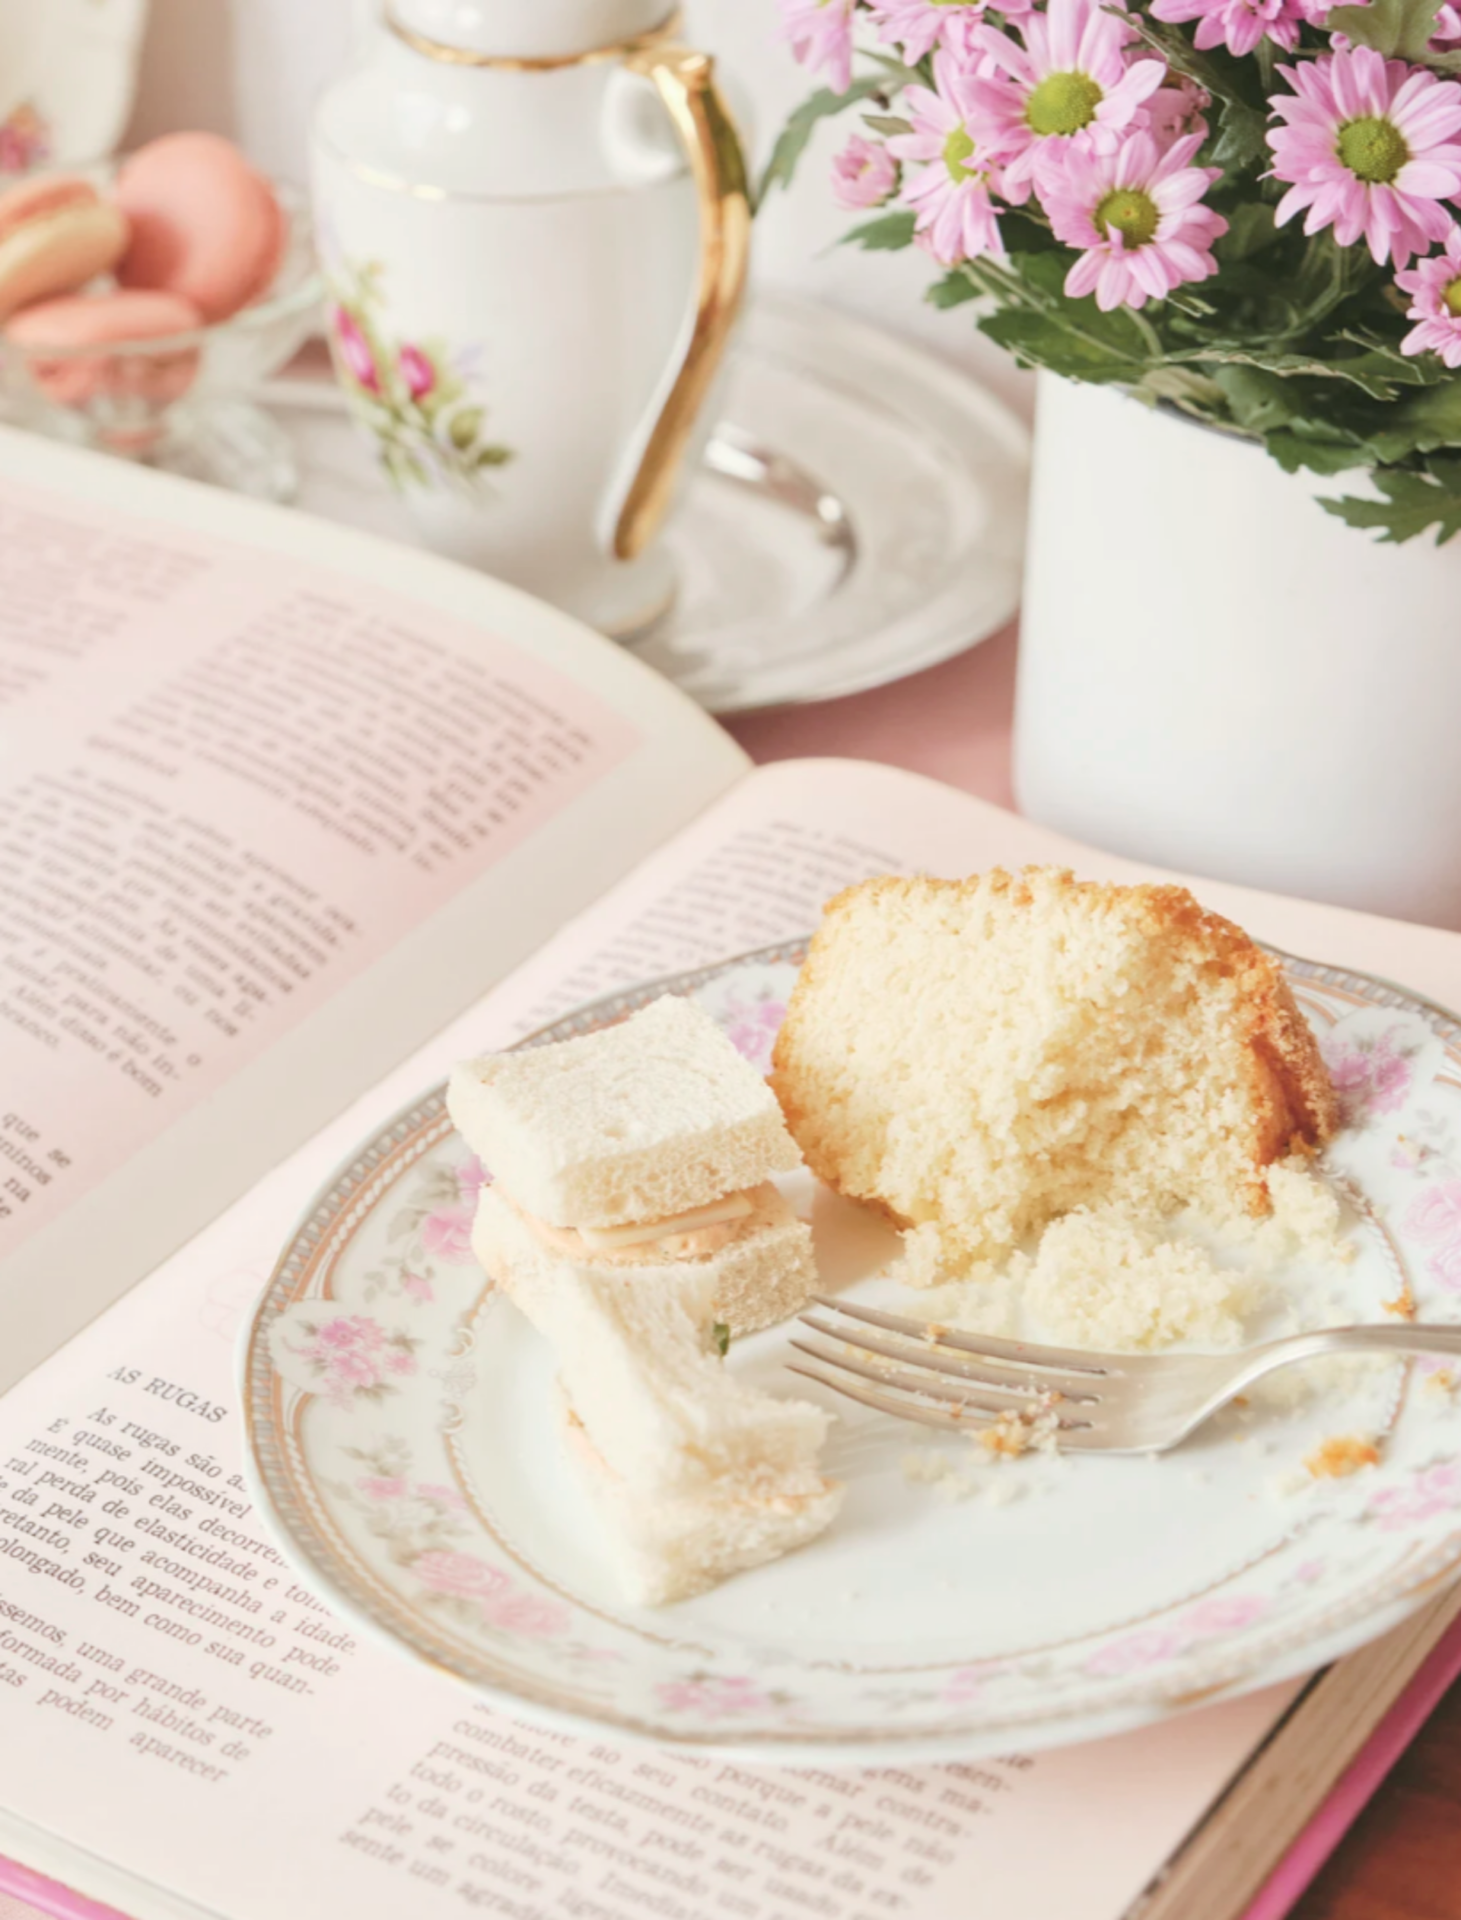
column 535, row 224
column 1216, row 675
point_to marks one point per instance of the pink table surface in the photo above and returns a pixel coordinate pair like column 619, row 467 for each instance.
column 952, row 723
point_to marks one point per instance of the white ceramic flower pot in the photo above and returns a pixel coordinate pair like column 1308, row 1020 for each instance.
column 1217, row 675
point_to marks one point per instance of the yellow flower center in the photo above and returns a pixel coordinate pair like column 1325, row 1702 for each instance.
column 958, row 152
column 1129, row 212
column 1373, row 149
column 1452, row 297
column 1063, row 103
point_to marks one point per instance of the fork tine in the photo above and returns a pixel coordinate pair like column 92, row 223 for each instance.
column 1023, row 1352
column 900, row 1409
column 1068, row 1438
column 906, row 1381
column 1025, row 1384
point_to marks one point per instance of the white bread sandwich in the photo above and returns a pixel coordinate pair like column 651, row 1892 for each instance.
column 650, row 1143
column 670, row 1546
column 632, row 1219
column 980, row 1057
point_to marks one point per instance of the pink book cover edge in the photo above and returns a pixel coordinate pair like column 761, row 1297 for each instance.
column 1302, row 1862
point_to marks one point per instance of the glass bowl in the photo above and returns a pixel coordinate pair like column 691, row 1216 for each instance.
column 181, row 401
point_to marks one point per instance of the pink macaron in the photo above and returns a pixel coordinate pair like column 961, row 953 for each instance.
column 82, row 331
column 205, row 225
column 56, row 233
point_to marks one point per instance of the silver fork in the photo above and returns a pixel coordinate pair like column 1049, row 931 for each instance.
column 1087, row 1402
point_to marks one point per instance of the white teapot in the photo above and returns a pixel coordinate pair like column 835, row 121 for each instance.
column 535, row 224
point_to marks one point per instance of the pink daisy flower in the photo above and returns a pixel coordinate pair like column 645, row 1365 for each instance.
column 946, row 178
column 1136, row 217
column 1069, row 84
column 820, row 32
column 863, row 174
column 918, row 26
column 1239, row 25
column 1369, row 145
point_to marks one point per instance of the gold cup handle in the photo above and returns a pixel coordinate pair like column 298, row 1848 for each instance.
column 685, row 82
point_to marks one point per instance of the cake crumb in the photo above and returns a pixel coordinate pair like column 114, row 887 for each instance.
column 1018, row 1432
column 1403, row 1305
column 1441, row 1383
column 1102, row 1280
column 1338, row 1458
column 1004, row 1490
column 1286, row 1486
column 922, row 1260
column 926, row 1467
column 1306, row 1221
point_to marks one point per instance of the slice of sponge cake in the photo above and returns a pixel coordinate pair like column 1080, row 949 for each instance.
column 980, row 1057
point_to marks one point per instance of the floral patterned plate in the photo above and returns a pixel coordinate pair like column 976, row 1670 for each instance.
column 404, row 1446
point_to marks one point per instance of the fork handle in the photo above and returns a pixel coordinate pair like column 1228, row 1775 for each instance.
column 1408, row 1338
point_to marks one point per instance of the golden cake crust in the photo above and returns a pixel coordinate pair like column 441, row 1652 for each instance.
column 1287, row 1102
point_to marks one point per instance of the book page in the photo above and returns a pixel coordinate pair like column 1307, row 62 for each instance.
column 272, row 808
column 185, row 1727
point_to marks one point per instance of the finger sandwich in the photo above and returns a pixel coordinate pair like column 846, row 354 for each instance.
column 632, row 1217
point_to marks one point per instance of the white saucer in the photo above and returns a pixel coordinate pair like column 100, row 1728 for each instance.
column 860, row 517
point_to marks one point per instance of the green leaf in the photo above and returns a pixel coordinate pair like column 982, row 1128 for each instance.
column 492, row 456
column 1042, row 340
column 888, row 123
column 465, row 426
column 1241, row 138
column 1381, row 362
column 1250, row 230
column 1024, row 234
column 1400, row 29
column 720, row 1335
column 1297, row 450
column 1258, row 400
column 953, row 290
column 1412, row 504
column 1372, row 374
column 1435, row 415
column 1423, row 422
column 823, row 105
column 887, row 234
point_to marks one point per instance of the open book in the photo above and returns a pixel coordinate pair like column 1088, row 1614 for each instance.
column 290, row 821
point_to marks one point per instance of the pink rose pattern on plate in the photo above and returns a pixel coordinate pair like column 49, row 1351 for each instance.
column 1223, row 1616
column 352, row 1357
column 1434, row 1490
column 714, row 1696
column 752, row 1027
column 1371, row 1075
column 431, row 1229
column 421, row 1524
column 1434, row 1218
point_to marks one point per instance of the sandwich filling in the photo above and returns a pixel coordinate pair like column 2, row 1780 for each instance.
column 699, row 1233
